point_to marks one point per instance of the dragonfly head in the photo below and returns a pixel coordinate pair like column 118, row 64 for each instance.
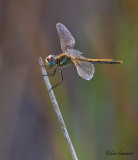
column 50, row 60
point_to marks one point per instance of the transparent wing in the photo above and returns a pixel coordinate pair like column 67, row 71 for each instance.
column 66, row 39
column 74, row 53
column 84, row 69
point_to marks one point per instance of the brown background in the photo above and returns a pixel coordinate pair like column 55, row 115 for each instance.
column 100, row 114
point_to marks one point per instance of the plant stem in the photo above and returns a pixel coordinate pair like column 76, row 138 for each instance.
column 57, row 110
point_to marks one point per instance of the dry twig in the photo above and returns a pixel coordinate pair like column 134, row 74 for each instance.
column 57, row 110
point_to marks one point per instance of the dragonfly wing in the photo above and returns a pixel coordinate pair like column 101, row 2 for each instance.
column 84, row 69
column 66, row 39
column 74, row 53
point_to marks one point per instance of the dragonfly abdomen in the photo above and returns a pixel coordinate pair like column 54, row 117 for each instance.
column 106, row 62
column 100, row 61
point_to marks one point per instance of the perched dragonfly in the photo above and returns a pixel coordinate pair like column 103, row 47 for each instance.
column 84, row 66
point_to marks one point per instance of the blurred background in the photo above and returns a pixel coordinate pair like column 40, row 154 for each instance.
column 101, row 114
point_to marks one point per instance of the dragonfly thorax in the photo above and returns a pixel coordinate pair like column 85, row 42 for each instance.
column 50, row 60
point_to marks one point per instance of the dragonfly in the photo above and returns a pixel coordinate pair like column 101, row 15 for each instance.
column 84, row 66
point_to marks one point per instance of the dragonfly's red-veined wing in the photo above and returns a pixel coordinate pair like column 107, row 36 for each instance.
column 73, row 53
column 84, row 69
column 66, row 39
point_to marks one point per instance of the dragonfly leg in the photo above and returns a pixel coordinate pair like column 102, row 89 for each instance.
column 62, row 79
column 51, row 74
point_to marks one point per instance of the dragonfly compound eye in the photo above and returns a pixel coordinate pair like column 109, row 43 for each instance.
column 50, row 60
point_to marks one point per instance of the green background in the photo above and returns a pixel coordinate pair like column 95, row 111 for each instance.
column 101, row 114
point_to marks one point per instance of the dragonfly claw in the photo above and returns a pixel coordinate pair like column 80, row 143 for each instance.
column 50, row 89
